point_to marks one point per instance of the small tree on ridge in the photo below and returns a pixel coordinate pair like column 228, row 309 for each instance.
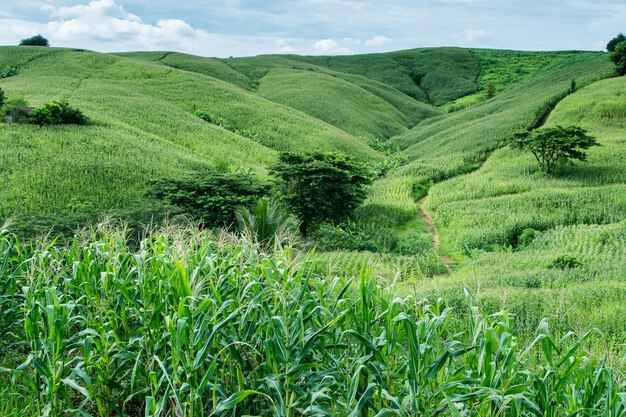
column 554, row 145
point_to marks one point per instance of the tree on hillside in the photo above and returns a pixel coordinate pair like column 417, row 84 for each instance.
column 613, row 42
column 2, row 97
column 619, row 58
column 36, row 40
column 554, row 145
column 321, row 187
column 210, row 197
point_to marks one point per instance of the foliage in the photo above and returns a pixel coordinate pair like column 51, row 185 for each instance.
column 17, row 108
column 57, row 113
column 615, row 41
column 618, row 56
column 554, row 145
column 2, row 98
column 190, row 327
column 8, row 72
column 266, row 224
column 36, row 40
column 209, row 197
column 565, row 261
column 321, row 187
column 490, row 90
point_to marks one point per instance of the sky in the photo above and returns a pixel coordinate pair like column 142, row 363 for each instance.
column 312, row 27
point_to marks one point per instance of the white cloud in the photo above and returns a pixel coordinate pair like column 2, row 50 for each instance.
column 377, row 40
column 329, row 46
column 105, row 20
column 472, row 35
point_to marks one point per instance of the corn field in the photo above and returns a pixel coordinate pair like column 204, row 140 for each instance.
column 191, row 324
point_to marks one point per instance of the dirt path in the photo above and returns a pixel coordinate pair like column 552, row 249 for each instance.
column 431, row 227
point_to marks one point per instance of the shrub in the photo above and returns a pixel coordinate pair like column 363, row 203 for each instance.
column 209, row 197
column 565, row 262
column 17, row 108
column 527, row 237
column 2, row 97
column 265, row 223
column 8, row 72
column 57, row 113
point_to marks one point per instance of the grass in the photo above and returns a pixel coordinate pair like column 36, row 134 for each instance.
column 213, row 67
column 311, row 93
column 196, row 325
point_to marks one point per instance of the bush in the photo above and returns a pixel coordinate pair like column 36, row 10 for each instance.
column 36, row 40
column 17, row 108
column 527, row 237
column 57, row 113
column 8, row 72
column 210, row 197
column 565, row 262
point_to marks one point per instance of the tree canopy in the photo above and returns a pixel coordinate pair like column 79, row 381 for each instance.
column 615, row 41
column 36, row 40
column 210, row 197
column 619, row 57
column 321, row 187
column 554, row 145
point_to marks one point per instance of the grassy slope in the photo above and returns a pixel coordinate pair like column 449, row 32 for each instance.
column 442, row 145
column 505, row 69
column 581, row 212
column 145, row 129
column 275, row 77
column 213, row 67
column 335, row 101
column 434, row 75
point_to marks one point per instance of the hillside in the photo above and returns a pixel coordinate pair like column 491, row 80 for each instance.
column 579, row 213
column 145, row 127
column 468, row 282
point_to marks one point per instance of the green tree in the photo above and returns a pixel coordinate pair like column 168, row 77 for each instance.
column 613, row 42
column 321, row 187
column 36, row 40
column 2, row 97
column 210, row 197
column 491, row 90
column 554, row 145
column 619, row 58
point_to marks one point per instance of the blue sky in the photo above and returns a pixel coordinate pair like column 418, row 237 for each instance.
column 251, row 27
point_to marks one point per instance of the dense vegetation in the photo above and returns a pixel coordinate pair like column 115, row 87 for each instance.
column 193, row 326
column 450, row 286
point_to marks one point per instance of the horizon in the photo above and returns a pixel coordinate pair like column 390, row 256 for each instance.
column 313, row 27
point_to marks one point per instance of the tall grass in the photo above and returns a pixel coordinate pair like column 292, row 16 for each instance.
column 196, row 325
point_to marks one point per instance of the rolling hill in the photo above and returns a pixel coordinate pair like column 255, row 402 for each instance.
column 439, row 290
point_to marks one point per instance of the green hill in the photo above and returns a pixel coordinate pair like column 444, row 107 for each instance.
column 579, row 213
column 145, row 127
